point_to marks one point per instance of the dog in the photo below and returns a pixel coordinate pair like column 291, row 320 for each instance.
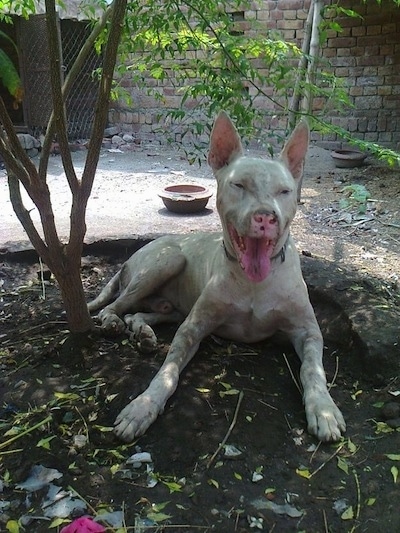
column 244, row 284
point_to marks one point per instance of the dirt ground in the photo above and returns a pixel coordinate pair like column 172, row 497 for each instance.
column 59, row 458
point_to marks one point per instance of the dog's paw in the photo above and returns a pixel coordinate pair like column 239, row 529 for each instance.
column 140, row 333
column 324, row 419
column 111, row 324
column 136, row 417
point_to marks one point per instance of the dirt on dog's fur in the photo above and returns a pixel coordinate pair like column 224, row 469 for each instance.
column 279, row 478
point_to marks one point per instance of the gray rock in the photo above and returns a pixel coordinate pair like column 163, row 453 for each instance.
column 116, row 139
column 109, row 132
column 127, row 138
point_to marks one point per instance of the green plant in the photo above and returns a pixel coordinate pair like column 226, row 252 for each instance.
column 356, row 196
column 8, row 73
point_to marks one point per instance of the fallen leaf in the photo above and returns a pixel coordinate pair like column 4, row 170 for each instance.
column 303, row 472
column 348, row 514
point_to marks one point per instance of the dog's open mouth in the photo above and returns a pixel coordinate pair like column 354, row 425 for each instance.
column 253, row 253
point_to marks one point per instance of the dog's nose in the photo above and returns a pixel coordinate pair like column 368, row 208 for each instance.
column 265, row 220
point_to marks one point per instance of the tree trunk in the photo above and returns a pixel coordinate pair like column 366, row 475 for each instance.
column 63, row 259
column 73, row 295
column 305, row 48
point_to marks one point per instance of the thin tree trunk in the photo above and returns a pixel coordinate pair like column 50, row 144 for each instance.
column 314, row 53
column 301, row 68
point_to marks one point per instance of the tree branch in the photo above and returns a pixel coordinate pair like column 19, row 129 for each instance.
column 68, row 83
column 58, row 101
column 78, row 226
column 25, row 218
column 12, row 152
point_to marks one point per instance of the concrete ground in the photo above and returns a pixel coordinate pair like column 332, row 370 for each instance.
column 124, row 202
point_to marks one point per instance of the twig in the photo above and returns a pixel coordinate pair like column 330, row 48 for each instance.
column 327, row 461
column 93, row 510
column 234, row 419
column 335, row 374
column 42, row 279
column 29, row 430
column 358, row 508
column 325, row 521
column 292, row 375
column 315, row 451
column 269, row 405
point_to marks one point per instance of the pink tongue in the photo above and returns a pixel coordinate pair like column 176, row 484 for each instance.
column 255, row 261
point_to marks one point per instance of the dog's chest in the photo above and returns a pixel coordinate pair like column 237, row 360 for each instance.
column 252, row 320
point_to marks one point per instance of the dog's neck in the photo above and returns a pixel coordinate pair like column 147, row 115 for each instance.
column 281, row 254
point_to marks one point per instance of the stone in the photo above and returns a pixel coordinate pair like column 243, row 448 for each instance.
column 27, row 141
column 109, row 132
column 127, row 138
column 116, row 139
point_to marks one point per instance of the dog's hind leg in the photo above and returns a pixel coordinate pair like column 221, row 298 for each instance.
column 139, row 327
column 106, row 295
column 141, row 277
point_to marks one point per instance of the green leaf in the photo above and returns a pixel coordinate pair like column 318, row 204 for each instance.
column 12, row 526
column 57, row 522
column 213, row 483
column 395, row 473
column 393, row 456
column 238, row 476
column 343, row 464
column 370, row 501
column 303, row 472
column 348, row 514
column 172, row 486
column 158, row 517
column 45, row 443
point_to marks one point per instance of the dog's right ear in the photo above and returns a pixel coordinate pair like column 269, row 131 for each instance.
column 225, row 144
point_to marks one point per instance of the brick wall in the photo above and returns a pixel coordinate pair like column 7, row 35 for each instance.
column 366, row 54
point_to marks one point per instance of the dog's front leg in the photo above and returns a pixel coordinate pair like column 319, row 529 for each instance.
column 324, row 419
column 141, row 412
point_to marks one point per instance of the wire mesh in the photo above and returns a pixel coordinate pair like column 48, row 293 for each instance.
column 81, row 100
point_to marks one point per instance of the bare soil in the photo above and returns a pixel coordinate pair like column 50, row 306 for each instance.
column 57, row 412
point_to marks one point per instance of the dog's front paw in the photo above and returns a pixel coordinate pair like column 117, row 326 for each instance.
column 136, row 417
column 324, row 419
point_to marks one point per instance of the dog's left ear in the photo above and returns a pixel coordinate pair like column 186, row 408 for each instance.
column 225, row 144
column 295, row 149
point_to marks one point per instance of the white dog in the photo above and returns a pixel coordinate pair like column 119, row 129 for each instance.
column 244, row 284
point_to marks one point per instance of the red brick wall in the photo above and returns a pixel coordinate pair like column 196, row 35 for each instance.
column 366, row 54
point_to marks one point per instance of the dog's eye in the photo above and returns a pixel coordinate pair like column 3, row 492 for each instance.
column 286, row 191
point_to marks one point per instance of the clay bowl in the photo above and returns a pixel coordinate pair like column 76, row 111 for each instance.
column 185, row 198
column 348, row 158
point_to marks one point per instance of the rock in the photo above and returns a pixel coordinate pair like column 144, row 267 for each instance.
column 116, row 139
column 393, row 423
column 391, row 410
column 28, row 141
column 127, row 138
column 109, row 132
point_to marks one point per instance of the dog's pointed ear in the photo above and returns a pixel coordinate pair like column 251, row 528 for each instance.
column 225, row 144
column 295, row 149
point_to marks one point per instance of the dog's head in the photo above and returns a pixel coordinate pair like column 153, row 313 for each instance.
column 256, row 197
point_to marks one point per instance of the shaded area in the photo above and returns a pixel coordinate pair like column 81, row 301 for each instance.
column 359, row 323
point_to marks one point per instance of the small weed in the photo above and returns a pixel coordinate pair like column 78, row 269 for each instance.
column 356, row 196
